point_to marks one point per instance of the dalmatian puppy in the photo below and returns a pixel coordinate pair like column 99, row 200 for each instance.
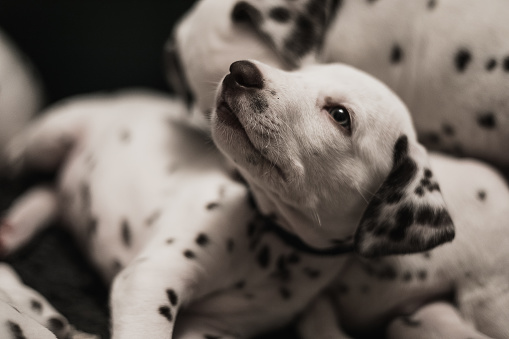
column 152, row 205
column 20, row 91
column 275, row 124
column 27, row 314
column 447, row 59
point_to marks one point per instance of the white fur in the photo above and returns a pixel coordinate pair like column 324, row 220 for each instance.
column 20, row 92
column 363, row 34
column 131, row 159
column 27, row 314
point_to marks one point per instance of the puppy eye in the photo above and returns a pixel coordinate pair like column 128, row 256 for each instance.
column 341, row 115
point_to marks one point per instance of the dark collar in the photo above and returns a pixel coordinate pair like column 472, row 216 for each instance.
column 294, row 241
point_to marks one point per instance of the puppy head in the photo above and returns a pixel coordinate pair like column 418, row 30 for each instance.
column 330, row 151
column 203, row 45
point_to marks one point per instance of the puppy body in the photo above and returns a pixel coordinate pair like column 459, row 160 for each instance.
column 294, row 124
column 451, row 75
column 149, row 197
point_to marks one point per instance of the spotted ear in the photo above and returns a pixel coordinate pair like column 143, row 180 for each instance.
column 408, row 213
column 294, row 29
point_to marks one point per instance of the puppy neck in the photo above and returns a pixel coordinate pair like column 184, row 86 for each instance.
column 317, row 228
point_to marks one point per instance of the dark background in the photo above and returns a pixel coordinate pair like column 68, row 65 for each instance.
column 88, row 45
column 79, row 47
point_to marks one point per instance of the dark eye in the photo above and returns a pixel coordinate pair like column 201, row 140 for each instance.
column 341, row 115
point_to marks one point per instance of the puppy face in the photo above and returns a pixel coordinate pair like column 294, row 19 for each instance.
column 316, row 145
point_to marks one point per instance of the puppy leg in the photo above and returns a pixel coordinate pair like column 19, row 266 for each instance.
column 45, row 143
column 31, row 212
column 14, row 324
column 24, row 310
column 321, row 320
column 434, row 321
column 147, row 295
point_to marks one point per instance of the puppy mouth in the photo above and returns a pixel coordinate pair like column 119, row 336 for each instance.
column 227, row 117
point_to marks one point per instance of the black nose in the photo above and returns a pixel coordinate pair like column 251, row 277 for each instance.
column 246, row 74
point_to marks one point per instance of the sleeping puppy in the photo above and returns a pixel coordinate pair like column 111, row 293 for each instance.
column 152, row 205
column 20, row 92
column 452, row 75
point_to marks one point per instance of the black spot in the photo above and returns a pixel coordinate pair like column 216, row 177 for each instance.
column 126, row 233
column 462, row 59
column 280, row 14
column 285, row 293
column 293, row 258
column 172, row 297
column 240, row 285
column 432, row 4
column 487, row 120
column 311, row 272
column 448, row 129
column 372, row 1
column 212, row 206
column 264, row 257
column 189, row 254
column 419, row 191
column 404, row 219
column 396, row 54
column 36, row 306
column 125, row 136
column 165, row 311
column 426, row 215
column 431, row 138
column 425, row 182
column 408, row 321
column 343, row 289
column 387, row 273
column 210, row 336
column 481, row 195
column 282, row 273
column 170, row 241
column 407, row 277
column 153, row 218
column 506, row 64
column 202, row 239
column 56, row 324
column 303, row 37
column 116, row 266
column 230, row 245
column 246, row 13
column 423, row 275
column 491, row 64
column 16, row 330
column 426, row 255
column 427, row 173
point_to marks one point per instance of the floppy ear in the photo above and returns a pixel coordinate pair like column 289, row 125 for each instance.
column 294, row 29
column 408, row 213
